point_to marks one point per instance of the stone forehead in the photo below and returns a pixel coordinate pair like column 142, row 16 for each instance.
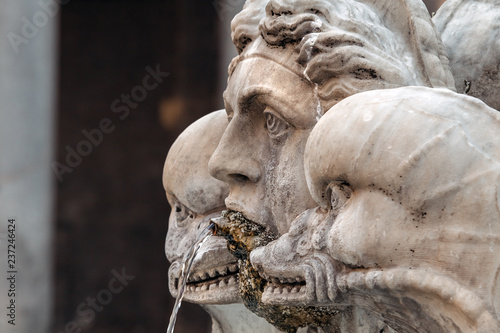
column 405, row 137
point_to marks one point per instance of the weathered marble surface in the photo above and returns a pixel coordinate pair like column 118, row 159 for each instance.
column 345, row 138
column 470, row 30
column 195, row 198
column 407, row 207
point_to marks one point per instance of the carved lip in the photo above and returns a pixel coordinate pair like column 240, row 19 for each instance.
column 214, row 278
column 285, row 287
column 237, row 207
column 215, row 285
column 282, row 290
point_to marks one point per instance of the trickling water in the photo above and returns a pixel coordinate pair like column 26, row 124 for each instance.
column 188, row 262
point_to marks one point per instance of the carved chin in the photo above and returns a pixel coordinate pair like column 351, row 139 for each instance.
column 402, row 298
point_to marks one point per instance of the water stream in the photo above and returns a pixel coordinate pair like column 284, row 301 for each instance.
column 186, row 269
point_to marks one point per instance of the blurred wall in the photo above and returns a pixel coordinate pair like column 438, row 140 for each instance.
column 112, row 211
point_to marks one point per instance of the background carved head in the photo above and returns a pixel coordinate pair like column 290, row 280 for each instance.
column 195, row 197
column 470, row 31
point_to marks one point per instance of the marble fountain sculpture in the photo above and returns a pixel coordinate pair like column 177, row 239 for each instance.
column 355, row 189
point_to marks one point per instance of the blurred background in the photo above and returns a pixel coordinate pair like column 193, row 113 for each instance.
column 109, row 215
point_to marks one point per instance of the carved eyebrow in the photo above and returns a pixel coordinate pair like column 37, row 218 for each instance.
column 265, row 97
column 248, row 95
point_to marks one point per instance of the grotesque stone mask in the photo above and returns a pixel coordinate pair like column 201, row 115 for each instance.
column 408, row 217
column 195, row 197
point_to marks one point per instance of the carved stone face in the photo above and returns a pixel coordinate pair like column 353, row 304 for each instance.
column 195, row 197
column 260, row 154
column 307, row 58
column 409, row 222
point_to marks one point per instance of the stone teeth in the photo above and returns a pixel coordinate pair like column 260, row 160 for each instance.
column 295, row 289
column 212, row 273
column 222, row 271
column 204, row 287
column 297, row 279
column 204, row 276
column 233, row 268
column 232, row 280
column 212, row 286
column 198, row 288
column 223, row 283
column 197, row 277
column 277, row 290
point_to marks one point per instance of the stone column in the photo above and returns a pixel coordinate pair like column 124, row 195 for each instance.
column 27, row 102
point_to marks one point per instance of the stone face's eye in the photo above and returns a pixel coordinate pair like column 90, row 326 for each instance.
column 339, row 193
column 276, row 126
column 182, row 213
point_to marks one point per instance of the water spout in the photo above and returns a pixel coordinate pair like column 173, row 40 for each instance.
column 186, row 269
column 243, row 236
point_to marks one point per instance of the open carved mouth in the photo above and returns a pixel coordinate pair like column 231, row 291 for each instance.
column 285, row 286
column 211, row 279
column 280, row 288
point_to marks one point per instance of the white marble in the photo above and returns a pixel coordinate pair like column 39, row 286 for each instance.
column 470, row 31
column 345, row 138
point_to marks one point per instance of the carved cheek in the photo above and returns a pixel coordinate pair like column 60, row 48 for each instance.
column 367, row 231
column 287, row 187
column 172, row 240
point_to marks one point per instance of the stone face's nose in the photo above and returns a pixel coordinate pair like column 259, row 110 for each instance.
column 236, row 159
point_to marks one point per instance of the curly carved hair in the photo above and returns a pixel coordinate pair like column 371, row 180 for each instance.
column 348, row 46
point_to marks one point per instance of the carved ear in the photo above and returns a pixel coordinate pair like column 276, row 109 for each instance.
column 415, row 144
column 411, row 19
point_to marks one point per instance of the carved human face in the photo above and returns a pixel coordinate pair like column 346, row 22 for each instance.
column 271, row 112
column 195, row 198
